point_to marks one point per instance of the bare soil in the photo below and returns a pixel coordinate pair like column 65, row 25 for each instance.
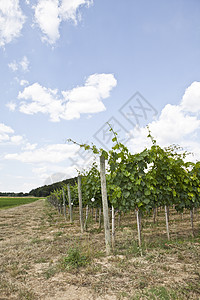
column 35, row 240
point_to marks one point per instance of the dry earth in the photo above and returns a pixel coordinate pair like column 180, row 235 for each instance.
column 35, row 239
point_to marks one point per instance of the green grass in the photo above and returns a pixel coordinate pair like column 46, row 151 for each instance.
column 74, row 259
column 8, row 202
column 157, row 293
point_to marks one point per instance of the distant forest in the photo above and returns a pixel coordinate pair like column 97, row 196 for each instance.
column 42, row 191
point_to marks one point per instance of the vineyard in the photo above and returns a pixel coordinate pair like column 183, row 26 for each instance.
column 44, row 256
column 143, row 183
column 128, row 228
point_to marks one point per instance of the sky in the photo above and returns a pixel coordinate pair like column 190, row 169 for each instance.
column 67, row 67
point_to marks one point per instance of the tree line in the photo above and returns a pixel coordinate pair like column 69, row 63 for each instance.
column 42, row 191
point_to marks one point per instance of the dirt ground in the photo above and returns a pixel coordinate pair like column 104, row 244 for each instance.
column 35, row 240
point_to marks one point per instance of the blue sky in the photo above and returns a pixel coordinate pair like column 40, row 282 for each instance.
column 69, row 66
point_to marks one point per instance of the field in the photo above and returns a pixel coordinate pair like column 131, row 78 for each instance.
column 8, row 202
column 42, row 256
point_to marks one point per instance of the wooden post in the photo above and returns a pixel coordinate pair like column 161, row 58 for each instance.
column 64, row 204
column 119, row 218
column 113, row 228
column 140, row 220
column 168, row 213
column 70, row 203
column 99, row 217
column 96, row 211
column 138, row 227
column 154, row 215
column 58, row 205
column 86, row 217
column 167, row 222
column 92, row 213
column 105, row 204
column 192, row 221
column 80, row 203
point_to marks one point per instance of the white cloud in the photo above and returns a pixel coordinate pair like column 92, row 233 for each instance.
column 11, row 21
column 13, row 66
column 191, row 99
column 50, row 13
column 86, row 99
column 22, row 65
column 16, row 139
column 52, row 154
column 47, row 17
column 11, row 106
column 54, row 173
column 175, row 125
column 43, row 100
column 24, row 82
column 7, row 135
column 68, row 9
column 5, row 131
column 41, row 172
column 29, row 146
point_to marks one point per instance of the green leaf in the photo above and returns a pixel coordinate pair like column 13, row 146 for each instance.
column 126, row 194
column 87, row 147
column 114, row 139
column 147, row 193
column 146, row 201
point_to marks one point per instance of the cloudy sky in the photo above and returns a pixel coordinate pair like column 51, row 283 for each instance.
column 69, row 66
